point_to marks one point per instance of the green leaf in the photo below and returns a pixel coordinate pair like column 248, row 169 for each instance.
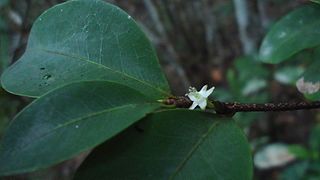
column 68, row 121
column 253, row 86
column 314, row 139
column 309, row 82
column 177, row 144
column 4, row 52
column 298, row 30
column 288, row 74
column 315, row 1
column 312, row 72
column 313, row 97
column 299, row 151
column 86, row 40
column 297, row 171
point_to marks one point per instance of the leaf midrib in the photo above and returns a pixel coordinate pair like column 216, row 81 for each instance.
column 73, row 121
column 77, row 57
column 193, row 150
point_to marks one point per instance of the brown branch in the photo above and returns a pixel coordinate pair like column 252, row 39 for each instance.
column 233, row 107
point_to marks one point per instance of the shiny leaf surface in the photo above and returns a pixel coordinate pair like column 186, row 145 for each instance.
column 68, row 121
column 85, row 40
column 297, row 31
column 177, row 144
column 315, row 1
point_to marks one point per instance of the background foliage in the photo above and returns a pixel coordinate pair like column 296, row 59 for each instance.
column 219, row 50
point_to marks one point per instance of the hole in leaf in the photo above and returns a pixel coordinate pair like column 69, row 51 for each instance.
column 46, row 77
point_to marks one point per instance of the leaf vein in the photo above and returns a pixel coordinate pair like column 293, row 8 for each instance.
column 193, row 150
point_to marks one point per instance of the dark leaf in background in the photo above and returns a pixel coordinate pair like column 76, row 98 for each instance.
column 298, row 30
column 309, row 82
column 288, row 74
column 296, row 171
column 314, row 140
column 316, row 1
column 178, row 144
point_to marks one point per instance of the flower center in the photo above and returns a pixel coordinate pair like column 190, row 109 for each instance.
column 197, row 95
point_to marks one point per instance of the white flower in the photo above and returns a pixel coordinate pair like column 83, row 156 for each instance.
column 199, row 98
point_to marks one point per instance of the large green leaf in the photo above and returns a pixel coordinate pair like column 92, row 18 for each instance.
column 299, row 30
column 86, row 40
column 177, row 144
column 68, row 121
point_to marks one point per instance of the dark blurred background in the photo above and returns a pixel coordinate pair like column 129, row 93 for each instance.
column 199, row 42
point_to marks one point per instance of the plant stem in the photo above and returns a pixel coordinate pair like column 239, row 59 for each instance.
column 233, row 107
column 225, row 107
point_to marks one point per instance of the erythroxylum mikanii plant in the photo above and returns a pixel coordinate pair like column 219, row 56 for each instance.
column 97, row 81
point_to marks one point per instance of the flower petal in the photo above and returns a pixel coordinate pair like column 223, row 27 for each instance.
column 203, row 105
column 192, row 96
column 194, row 105
column 207, row 93
column 203, row 89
